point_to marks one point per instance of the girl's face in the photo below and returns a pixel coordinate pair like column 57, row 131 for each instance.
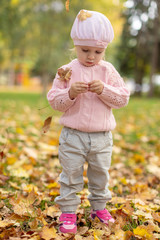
column 89, row 56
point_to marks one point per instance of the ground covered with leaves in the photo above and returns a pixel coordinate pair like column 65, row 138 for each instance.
column 29, row 171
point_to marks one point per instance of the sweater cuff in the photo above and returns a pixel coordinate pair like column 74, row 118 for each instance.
column 66, row 97
column 112, row 91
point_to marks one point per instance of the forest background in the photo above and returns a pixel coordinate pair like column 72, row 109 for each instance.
column 35, row 40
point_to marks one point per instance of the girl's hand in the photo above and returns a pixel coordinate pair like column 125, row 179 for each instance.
column 77, row 88
column 96, row 86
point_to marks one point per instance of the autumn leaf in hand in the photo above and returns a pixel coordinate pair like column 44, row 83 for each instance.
column 64, row 74
column 46, row 124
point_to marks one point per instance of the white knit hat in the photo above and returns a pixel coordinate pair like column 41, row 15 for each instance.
column 93, row 29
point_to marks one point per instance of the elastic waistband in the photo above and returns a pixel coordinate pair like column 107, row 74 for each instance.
column 71, row 130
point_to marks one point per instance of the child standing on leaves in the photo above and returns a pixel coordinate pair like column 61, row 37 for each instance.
column 86, row 90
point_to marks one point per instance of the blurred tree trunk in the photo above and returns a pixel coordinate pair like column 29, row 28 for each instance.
column 139, row 69
column 139, row 74
column 154, row 56
column 45, row 82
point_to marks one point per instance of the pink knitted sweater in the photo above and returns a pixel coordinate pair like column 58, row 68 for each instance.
column 89, row 112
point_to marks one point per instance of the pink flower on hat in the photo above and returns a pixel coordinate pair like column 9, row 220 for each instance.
column 92, row 28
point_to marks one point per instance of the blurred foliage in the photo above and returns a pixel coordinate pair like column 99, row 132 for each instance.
column 38, row 32
column 139, row 46
column 29, row 173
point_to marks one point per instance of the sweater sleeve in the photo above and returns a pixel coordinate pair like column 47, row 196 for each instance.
column 115, row 93
column 58, row 96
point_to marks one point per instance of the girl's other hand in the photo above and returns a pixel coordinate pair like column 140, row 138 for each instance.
column 96, row 86
column 77, row 88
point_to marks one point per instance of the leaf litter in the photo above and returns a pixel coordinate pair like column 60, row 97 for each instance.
column 29, row 170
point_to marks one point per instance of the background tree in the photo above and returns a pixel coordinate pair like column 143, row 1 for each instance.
column 139, row 42
column 38, row 33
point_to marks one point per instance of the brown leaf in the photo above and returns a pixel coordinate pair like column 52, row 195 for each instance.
column 47, row 124
column 64, row 74
column 82, row 230
column 2, row 154
column 3, row 178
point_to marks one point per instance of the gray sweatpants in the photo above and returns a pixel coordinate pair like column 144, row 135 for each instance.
column 75, row 148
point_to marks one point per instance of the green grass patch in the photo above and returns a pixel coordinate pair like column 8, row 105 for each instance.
column 19, row 102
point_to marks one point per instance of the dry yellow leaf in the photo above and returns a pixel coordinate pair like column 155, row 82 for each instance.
column 139, row 158
column 143, row 231
column 14, row 185
column 48, row 233
column 11, row 160
column 53, row 185
column 123, row 181
column 83, row 15
column 19, row 130
column 96, row 237
column 6, row 223
column 51, row 211
column 54, row 193
column 98, row 234
column 138, row 170
column 30, row 187
column 119, row 235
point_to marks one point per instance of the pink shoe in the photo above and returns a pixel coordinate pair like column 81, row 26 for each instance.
column 68, row 224
column 103, row 215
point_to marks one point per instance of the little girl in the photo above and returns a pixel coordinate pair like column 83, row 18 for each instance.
column 86, row 90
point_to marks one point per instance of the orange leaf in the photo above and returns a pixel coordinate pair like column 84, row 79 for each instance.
column 156, row 216
column 67, row 5
column 47, row 124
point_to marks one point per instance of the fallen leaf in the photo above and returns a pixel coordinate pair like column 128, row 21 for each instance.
column 83, row 15
column 3, row 178
column 48, row 233
column 156, row 216
column 2, row 155
column 46, row 124
column 6, row 223
column 143, row 231
column 64, row 74
column 67, row 5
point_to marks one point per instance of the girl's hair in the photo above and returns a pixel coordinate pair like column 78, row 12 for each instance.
column 72, row 53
